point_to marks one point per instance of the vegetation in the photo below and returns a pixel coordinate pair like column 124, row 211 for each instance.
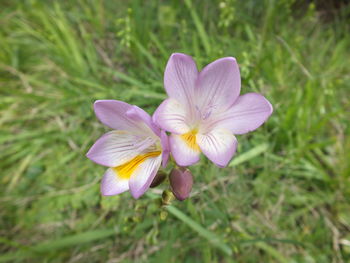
column 285, row 196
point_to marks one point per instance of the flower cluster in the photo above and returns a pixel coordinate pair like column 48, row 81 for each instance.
column 202, row 114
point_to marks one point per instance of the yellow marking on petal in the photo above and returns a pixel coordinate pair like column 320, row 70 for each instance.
column 190, row 139
column 126, row 170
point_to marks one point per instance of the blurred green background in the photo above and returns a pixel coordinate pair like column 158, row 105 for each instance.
column 285, row 196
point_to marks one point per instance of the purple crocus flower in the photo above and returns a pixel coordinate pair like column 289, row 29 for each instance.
column 204, row 109
column 133, row 151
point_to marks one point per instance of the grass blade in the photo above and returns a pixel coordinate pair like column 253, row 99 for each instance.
column 210, row 236
column 199, row 25
column 249, row 154
column 64, row 242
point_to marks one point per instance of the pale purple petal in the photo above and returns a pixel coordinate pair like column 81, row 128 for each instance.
column 139, row 115
column 218, row 86
column 112, row 184
column 219, row 146
column 179, row 77
column 143, row 176
column 248, row 113
column 118, row 147
column 182, row 153
column 112, row 113
column 172, row 116
column 165, row 148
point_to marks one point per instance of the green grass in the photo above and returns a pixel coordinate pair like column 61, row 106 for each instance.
column 284, row 198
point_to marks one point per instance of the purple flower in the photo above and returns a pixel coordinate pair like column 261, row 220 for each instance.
column 204, row 109
column 133, row 151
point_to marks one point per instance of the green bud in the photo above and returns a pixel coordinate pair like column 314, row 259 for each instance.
column 167, row 197
column 181, row 182
column 163, row 215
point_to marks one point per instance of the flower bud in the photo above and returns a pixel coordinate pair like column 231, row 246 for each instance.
column 181, row 182
column 158, row 179
column 167, row 197
column 163, row 215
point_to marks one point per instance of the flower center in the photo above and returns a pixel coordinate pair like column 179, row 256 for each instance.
column 190, row 139
column 206, row 112
column 126, row 170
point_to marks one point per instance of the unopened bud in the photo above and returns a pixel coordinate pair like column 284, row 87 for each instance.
column 158, row 179
column 163, row 215
column 181, row 182
column 167, row 197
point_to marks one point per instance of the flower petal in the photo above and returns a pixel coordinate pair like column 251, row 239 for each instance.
column 248, row 113
column 112, row 113
column 117, row 147
column 218, row 86
column 172, row 117
column 182, row 153
column 139, row 115
column 143, row 176
column 180, row 76
column 112, row 184
column 219, row 146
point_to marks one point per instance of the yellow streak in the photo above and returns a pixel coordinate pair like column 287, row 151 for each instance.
column 125, row 170
column 190, row 139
